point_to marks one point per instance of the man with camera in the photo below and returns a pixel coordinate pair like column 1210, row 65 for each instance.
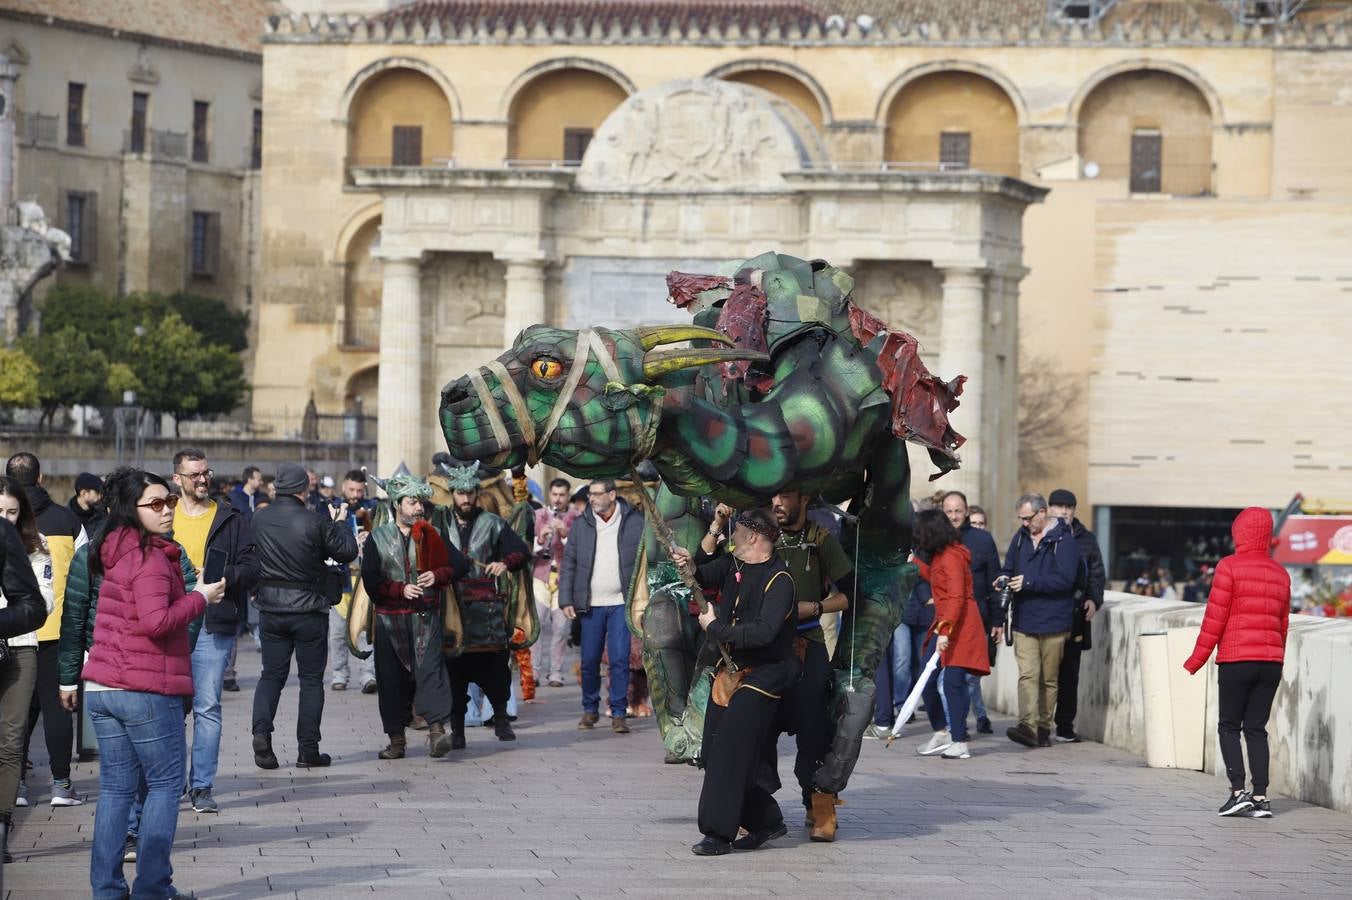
column 294, row 545
column 357, row 510
column 1041, row 565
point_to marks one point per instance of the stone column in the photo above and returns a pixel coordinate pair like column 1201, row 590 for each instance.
column 524, row 304
column 962, row 351
column 400, row 395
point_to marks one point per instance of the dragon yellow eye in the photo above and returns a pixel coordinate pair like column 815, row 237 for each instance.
column 546, row 368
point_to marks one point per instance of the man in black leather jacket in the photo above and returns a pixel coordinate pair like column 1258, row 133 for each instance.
column 295, row 547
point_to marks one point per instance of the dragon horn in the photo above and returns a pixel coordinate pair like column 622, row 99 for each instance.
column 657, row 363
column 651, row 336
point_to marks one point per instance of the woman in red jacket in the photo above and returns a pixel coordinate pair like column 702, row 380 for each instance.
column 960, row 636
column 136, row 678
column 1246, row 615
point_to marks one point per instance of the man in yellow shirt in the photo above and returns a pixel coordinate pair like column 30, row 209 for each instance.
column 201, row 524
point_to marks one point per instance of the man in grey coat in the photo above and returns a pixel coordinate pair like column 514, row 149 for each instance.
column 598, row 565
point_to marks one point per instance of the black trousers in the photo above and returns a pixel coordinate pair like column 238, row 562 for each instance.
column 58, row 726
column 1247, row 690
column 426, row 690
column 307, row 636
column 1068, row 687
column 490, row 670
column 804, row 713
column 734, row 745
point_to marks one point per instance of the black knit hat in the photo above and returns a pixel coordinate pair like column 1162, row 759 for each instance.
column 87, row 481
column 1061, row 497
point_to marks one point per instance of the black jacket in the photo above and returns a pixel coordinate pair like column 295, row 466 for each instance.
column 25, row 610
column 91, row 519
column 579, row 555
column 292, row 543
column 231, row 532
column 985, row 569
column 1093, row 577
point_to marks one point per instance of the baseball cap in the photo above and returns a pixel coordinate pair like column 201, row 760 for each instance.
column 326, row 481
column 1061, row 497
column 87, row 481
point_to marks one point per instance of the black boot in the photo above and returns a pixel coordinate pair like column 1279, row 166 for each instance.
column 458, row 735
column 264, row 758
column 5, row 826
column 503, row 729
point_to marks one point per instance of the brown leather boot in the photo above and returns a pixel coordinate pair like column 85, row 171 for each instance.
column 823, row 817
column 438, row 742
column 398, row 744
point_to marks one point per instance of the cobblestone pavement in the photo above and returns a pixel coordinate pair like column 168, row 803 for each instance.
column 562, row 813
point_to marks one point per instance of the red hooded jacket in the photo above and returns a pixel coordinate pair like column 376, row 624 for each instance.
column 1250, row 602
column 140, row 628
column 949, row 575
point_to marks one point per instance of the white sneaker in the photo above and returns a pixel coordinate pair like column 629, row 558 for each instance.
column 936, row 744
column 65, row 795
column 877, row 733
column 957, row 750
column 22, row 798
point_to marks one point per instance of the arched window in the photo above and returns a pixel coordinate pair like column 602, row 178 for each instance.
column 362, row 284
column 784, row 86
column 1150, row 128
column 400, row 117
column 554, row 116
column 958, row 120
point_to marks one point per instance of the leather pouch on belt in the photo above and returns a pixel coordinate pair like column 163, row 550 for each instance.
column 726, row 684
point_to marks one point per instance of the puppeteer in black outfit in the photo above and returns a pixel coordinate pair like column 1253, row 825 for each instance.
column 754, row 621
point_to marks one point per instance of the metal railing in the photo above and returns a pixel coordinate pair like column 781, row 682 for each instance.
column 37, row 130
column 387, row 162
column 325, row 428
column 565, row 164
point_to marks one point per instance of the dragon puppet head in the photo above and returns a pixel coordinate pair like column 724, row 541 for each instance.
column 588, row 402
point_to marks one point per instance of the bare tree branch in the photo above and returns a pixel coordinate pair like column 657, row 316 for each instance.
column 1049, row 422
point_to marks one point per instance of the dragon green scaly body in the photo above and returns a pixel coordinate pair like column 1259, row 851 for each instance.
column 802, row 398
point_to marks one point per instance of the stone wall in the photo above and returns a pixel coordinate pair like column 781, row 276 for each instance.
column 1310, row 732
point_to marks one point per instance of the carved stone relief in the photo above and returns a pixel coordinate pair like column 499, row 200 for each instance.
column 697, row 134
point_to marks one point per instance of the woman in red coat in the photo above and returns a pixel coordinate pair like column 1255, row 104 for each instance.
column 1246, row 615
column 136, row 678
column 960, row 636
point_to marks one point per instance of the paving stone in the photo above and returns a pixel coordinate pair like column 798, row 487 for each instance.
column 562, row 813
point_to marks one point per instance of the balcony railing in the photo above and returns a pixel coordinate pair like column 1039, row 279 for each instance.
column 37, row 130
column 565, row 164
column 156, row 143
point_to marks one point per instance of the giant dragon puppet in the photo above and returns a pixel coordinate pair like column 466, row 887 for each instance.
column 786, row 382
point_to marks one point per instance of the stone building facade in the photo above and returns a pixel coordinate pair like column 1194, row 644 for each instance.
column 139, row 133
column 448, row 162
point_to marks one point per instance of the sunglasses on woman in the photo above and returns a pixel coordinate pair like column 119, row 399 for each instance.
column 159, row 503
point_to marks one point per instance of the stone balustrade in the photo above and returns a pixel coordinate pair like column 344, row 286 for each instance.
column 1310, row 731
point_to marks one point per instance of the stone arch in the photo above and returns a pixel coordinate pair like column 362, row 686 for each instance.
column 363, row 282
column 959, row 114
column 361, row 391
column 823, row 116
column 1149, row 126
column 950, row 65
column 355, row 224
column 1213, row 99
column 509, row 97
column 554, row 112
column 359, row 81
column 400, row 115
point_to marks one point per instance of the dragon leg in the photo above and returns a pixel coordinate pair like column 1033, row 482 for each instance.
column 883, row 579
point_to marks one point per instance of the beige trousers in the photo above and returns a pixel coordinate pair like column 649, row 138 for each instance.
column 1039, row 658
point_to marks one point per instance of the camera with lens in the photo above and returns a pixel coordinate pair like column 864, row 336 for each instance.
column 1006, row 599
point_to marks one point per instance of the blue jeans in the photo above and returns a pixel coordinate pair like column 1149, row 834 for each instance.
column 140, row 736
column 604, row 629
column 903, row 674
column 974, row 692
column 946, row 701
column 209, row 659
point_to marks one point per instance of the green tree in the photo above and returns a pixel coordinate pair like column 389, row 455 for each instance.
column 181, row 374
column 18, row 380
column 213, row 319
column 107, row 321
column 70, row 371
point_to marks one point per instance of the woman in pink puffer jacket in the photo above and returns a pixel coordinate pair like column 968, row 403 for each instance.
column 136, row 678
